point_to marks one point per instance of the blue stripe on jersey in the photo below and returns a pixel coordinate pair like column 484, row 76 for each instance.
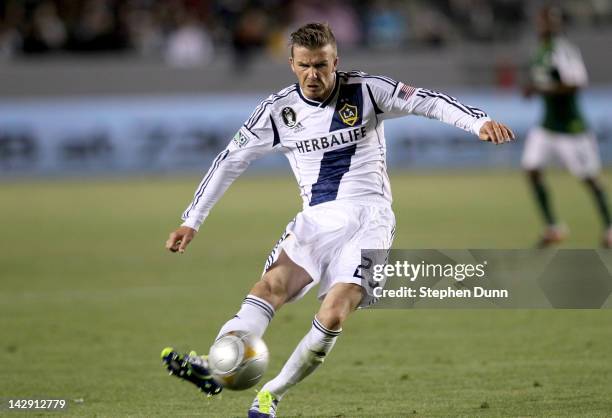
column 334, row 165
column 361, row 74
column 276, row 136
column 222, row 156
column 250, row 131
column 476, row 110
column 349, row 108
column 376, row 108
column 472, row 111
column 259, row 111
column 283, row 93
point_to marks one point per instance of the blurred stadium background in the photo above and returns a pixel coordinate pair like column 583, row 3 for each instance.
column 158, row 86
column 111, row 110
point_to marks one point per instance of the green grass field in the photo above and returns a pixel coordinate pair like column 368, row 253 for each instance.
column 89, row 297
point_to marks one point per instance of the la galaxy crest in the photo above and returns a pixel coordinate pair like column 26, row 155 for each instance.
column 289, row 117
column 349, row 114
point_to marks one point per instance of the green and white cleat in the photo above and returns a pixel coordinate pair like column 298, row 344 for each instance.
column 192, row 368
column 264, row 405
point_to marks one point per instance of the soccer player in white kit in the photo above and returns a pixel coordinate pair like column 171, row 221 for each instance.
column 330, row 127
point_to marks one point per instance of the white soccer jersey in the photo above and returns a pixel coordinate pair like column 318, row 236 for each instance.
column 336, row 148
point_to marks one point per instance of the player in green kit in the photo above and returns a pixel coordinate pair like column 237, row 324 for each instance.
column 557, row 74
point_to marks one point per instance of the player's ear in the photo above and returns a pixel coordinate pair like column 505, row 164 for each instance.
column 292, row 65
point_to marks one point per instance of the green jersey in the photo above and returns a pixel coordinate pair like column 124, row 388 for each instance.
column 559, row 62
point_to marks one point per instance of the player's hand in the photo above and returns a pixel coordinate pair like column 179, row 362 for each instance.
column 180, row 238
column 495, row 132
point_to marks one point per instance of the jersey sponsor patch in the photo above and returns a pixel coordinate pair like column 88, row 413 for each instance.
column 240, row 139
column 289, row 117
column 333, row 140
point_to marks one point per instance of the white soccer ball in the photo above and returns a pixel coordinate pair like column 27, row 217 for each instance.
column 238, row 360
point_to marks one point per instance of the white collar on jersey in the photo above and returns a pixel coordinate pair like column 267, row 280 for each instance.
column 324, row 102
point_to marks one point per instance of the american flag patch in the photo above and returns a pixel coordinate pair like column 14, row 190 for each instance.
column 405, row 92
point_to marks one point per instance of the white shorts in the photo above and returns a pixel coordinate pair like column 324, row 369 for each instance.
column 326, row 240
column 578, row 153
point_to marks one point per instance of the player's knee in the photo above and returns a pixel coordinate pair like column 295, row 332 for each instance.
column 333, row 316
column 342, row 299
column 331, row 319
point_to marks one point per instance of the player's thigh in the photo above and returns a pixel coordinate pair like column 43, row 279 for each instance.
column 284, row 278
column 538, row 150
column 580, row 154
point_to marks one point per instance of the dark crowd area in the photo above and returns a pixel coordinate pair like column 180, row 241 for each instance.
column 191, row 32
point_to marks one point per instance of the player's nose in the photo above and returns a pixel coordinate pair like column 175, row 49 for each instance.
column 312, row 75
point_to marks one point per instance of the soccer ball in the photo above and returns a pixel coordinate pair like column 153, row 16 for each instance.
column 238, row 360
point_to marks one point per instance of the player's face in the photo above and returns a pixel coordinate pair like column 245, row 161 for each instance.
column 548, row 22
column 315, row 70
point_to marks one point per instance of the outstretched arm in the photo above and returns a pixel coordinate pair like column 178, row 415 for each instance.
column 447, row 109
column 226, row 168
column 394, row 99
column 256, row 138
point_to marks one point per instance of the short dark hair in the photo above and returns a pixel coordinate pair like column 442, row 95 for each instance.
column 312, row 35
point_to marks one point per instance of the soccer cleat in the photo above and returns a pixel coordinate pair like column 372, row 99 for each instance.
column 263, row 406
column 553, row 234
column 192, row 368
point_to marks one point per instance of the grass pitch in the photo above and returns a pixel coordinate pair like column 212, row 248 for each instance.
column 89, row 297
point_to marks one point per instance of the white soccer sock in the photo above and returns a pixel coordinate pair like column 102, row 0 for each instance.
column 306, row 357
column 254, row 316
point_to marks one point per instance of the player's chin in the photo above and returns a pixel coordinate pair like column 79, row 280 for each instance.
column 314, row 91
